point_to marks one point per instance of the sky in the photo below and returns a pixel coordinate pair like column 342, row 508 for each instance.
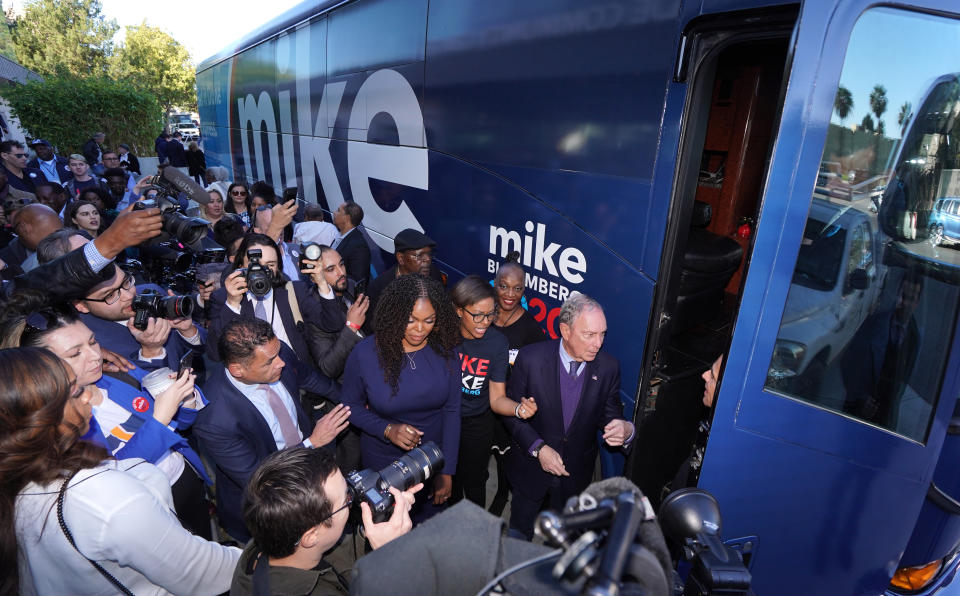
column 902, row 51
column 204, row 27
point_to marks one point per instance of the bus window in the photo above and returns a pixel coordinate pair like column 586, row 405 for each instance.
column 863, row 331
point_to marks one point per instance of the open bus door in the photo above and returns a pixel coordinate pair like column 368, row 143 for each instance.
column 844, row 363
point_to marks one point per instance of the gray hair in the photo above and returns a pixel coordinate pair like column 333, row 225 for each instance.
column 575, row 305
column 57, row 244
column 220, row 173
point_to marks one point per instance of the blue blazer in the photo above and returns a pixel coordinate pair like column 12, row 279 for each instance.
column 536, row 374
column 151, row 440
column 119, row 339
column 62, row 165
column 234, row 434
column 323, row 313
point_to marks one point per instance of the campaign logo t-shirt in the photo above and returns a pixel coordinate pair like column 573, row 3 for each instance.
column 481, row 361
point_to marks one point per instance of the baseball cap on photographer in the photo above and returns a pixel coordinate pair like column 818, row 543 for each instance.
column 410, row 239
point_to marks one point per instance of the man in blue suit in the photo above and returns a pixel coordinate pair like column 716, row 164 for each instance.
column 254, row 411
column 577, row 388
column 108, row 311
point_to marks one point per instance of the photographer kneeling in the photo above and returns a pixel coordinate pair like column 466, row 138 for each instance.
column 296, row 507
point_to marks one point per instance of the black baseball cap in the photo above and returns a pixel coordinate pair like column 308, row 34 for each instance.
column 411, row 239
column 43, row 142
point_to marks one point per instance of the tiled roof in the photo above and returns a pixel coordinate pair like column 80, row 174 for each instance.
column 11, row 71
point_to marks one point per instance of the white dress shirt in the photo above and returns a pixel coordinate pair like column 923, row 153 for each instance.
column 258, row 397
column 270, row 304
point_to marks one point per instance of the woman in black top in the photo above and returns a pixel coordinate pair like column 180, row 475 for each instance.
column 520, row 329
column 483, row 374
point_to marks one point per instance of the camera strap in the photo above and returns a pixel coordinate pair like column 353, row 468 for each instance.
column 66, row 531
column 294, row 305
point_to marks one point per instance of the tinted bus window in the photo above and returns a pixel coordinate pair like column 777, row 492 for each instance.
column 872, row 302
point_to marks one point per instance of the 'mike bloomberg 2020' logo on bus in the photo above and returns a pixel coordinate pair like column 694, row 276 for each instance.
column 269, row 150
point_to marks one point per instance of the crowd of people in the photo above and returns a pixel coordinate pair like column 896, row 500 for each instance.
column 294, row 367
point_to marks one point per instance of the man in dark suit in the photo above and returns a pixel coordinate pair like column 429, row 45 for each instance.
column 107, row 310
column 175, row 151
column 286, row 317
column 351, row 245
column 577, row 388
column 55, row 168
column 254, row 411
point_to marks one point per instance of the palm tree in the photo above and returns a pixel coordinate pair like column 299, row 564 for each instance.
column 867, row 123
column 878, row 102
column 842, row 105
column 906, row 110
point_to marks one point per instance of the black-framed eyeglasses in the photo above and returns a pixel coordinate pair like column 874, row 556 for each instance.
column 478, row 317
column 351, row 495
column 19, row 154
column 238, row 193
column 114, row 295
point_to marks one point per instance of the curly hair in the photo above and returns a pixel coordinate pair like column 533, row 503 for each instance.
column 390, row 322
column 36, row 446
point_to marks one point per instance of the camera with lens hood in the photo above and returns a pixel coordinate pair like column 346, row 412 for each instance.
column 152, row 304
column 414, row 467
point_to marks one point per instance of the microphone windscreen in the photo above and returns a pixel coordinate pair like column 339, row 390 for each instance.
column 186, row 185
column 610, row 488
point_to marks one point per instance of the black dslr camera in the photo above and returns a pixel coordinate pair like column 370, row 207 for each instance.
column 412, row 468
column 152, row 304
column 259, row 277
column 188, row 230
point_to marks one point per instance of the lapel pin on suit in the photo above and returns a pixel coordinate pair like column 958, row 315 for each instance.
column 594, row 377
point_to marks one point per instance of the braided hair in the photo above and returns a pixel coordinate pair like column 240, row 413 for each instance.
column 393, row 313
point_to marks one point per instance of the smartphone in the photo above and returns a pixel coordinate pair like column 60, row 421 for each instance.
column 289, row 194
column 186, row 363
column 360, row 288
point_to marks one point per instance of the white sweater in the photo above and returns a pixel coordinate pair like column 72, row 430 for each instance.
column 120, row 515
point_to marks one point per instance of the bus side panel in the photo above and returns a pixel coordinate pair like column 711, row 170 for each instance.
column 558, row 96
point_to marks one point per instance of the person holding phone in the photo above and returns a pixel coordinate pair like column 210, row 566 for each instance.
column 128, row 420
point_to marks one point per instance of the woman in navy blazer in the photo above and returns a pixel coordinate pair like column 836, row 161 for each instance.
column 128, row 421
column 403, row 384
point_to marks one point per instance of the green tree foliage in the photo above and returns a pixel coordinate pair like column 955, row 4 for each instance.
column 878, row 103
column 156, row 62
column 64, row 37
column 843, row 103
column 6, row 41
column 903, row 118
column 67, row 110
column 867, row 123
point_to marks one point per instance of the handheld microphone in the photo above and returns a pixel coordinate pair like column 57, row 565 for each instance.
column 174, row 181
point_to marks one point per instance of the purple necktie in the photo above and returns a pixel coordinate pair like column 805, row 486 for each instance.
column 291, row 436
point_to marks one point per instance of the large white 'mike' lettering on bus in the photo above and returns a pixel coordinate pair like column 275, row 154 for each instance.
column 567, row 263
column 384, row 91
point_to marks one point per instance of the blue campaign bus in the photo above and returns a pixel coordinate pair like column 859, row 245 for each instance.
column 750, row 178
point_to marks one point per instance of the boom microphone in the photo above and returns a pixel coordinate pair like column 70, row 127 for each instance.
column 175, row 181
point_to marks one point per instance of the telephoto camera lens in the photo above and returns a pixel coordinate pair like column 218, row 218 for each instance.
column 414, row 467
column 176, row 307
